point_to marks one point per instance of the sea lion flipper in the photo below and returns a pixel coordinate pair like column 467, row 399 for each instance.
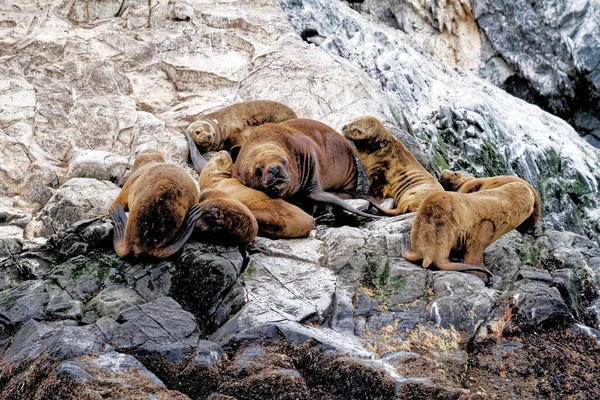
column 187, row 227
column 119, row 221
column 454, row 266
column 198, row 161
column 383, row 210
column 324, row 197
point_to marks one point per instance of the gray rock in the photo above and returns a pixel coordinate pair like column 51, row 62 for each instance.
column 540, row 304
column 56, row 341
column 114, row 299
column 77, row 199
column 97, row 164
column 160, row 327
column 461, row 300
column 11, row 240
column 25, row 301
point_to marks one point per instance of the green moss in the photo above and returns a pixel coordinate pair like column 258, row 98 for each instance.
column 440, row 155
column 493, row 164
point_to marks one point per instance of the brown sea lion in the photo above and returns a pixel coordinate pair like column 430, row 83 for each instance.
column 467, row 224
column 231, row 125
column 392, row 170
column 161, row 199
column 224, row 220
column 462, row 182
column 276, row 217
column 299, row 159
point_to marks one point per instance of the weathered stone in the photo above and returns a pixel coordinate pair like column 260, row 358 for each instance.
column 77, row 199
column 25, row 301
column 97, row 164
column 160, row 327
column 540, row 304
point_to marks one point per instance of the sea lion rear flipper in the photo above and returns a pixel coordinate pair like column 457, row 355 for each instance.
column 187, row 227
column 407, row 252
column 197, row 160
column 324, row 197
column 454, row 266
column 119, row 221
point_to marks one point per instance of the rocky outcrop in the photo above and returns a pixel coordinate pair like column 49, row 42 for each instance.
column 337, row 315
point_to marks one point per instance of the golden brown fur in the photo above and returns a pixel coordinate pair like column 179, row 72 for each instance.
column 467, row 224
column 392, row 170
column 158, row 196
column 225, row 220
column 299, row 158
column 231, row 125
column 276, row 217
column 464, row 183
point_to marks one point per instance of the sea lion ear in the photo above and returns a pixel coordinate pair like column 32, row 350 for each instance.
column 235, row 151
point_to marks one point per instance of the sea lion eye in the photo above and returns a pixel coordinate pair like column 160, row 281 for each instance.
column 284, row 163
column 257, row 171
column 455, row 174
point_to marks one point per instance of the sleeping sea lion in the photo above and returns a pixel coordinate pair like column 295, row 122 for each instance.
column 462, row 182
column 231, row 125
column 276, row 217
column 467, row 224
column 161, row 199
column 392, row 170
column 224, row 220
column 299, row 159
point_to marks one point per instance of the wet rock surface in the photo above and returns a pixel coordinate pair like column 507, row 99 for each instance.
column 337, row 315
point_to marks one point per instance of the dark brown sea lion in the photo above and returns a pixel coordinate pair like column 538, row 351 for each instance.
column 161, row 199
column 392, row 170
column 224, row 220
column 467, row 224
column 276, row 217
column 231, row 125
column 299, row 159
column 462, row 182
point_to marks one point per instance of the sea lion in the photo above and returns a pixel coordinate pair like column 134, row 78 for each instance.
column 392, row 170
column 462, row 182
column 161, row 199
column 231, row 125
column 299, row 159
column 467, row 224
column 276, row 217
column 224, row 220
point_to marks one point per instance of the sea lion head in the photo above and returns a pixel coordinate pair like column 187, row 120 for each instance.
column 269, row 169
column 363, row 132
column 147, row 156
column 216, row 169
column 205, row 134
column 452, row 181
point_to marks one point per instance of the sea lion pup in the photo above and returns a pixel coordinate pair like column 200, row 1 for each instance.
column 161, row 199
column 299, row 159
column 224, row 220
column 231, row 125
column 464, row 183
column 392, row 169
column 467, row 224
column 276, row 217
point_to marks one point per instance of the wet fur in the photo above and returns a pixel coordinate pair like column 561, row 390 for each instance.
column 231, row 125
column 276, row 217
column 462, row 182
column 158, row 196
column 466, row 224
column 392, row 169
column 311, row 159
column 225, row 221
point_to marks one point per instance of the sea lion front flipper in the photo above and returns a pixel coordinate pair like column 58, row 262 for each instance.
column 383, row 210
column 324, row 197
column 119, row 221
column 197, row 160
column 187, row 227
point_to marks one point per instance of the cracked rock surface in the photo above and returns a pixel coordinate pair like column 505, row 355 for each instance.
column 85, row 86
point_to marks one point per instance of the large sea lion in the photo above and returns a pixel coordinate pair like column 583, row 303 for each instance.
column 462, row 182
column 161, row 199
column 299, row 159
column 276, row 217
column 392, row 170
column 224, row 220
column 467, row 224
column 231, row 125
